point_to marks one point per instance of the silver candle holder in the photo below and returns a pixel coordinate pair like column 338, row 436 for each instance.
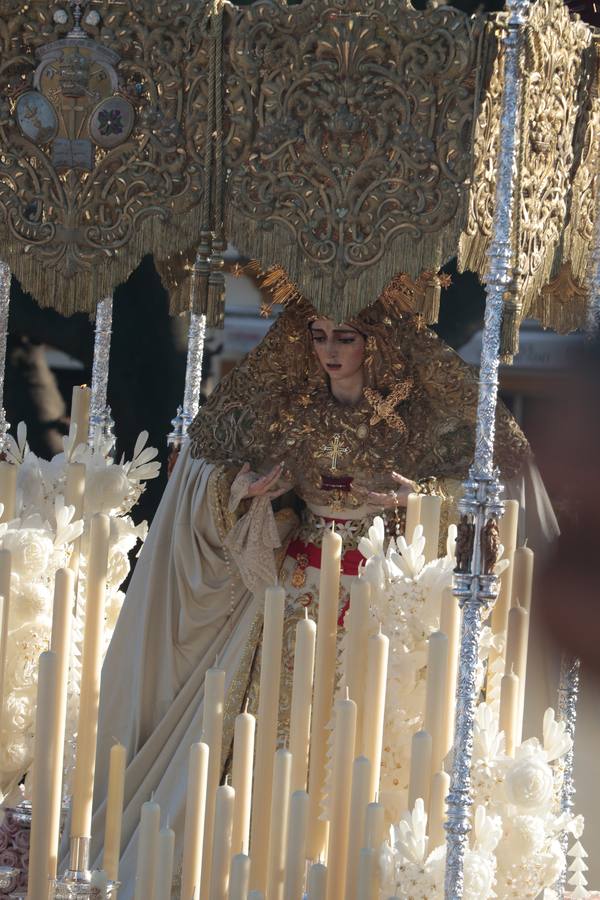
column 77, row 882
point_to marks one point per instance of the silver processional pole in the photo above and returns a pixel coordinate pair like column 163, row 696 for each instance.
column 475, row 585
column 101, row 422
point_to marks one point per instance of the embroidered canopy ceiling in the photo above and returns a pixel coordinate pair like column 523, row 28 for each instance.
column 344, row 141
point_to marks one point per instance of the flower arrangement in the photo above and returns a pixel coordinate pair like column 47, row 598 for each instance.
column 41, row 540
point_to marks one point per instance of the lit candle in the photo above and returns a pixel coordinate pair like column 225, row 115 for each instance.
column 517, row 639
column 304, row 662
column 440, row 786
column 93, row 645
column 325, row 663
column 239, row 877
column 357, row 629
column 80, row 412
column 5, row 570
column 219, row 875
column 344, row 737
column 317, row 882
column 74, row 494
column 60, row 643
column 450, row 626
column 435, row 697
column 374, row 704
column 147, row 856
column 39, row 848
column 241, row 778
column 114, row 811
column 420, row 769
column 266, row 734
column 509, row 711
column 431, row 508
column 374, row 826
column 507, row 528
column 361, row 786
column 166, row 854
column 295, row 855
column 280, row 800
column 212, row 735
column 195, row 817
column 8, row 490
column 413, row 514
column 367, row 887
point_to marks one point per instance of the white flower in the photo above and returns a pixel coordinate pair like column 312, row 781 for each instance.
column 31, row 550
column 409, row 560
column 141, row 468
column 529, row 781
column 29, row 601
column 105, row 489
column 487, row 830
column 556, row 740
column 479, row 875
column 17, row 450
column 411, row 834
column 67, row 530
column 524, row 837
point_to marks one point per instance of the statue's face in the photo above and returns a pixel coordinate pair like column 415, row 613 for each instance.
column 340, row 349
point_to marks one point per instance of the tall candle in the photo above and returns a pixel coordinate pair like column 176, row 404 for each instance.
column 509, row 711
column 147, row 856
column 523, row 577
column 5, row 572
column 516, row 655
column 266, row 735
column 39, row 848
column 239, row 877
column 374, row 826
column 431, row 508
column 80, row 412
column 241, row 779
column 367, row 887
column 60, row 643
column 413, row 515
column 436, row 696
column 355, row 663
column 507, row 528
column 295, row 854
column 374, row 704
column 93, row 643
column 344, row 738
column 212, row 735
column 114, row 811
column 195, row 817
column 420, row 769
column 304, row 662
column 280, row 801
column 8, row 490
column 450, row 626
column 325, row 662
column 440, row 787
column 219, row 875
column 361, row 787
column 317, row 882
column 166, row 854
column 74, row 494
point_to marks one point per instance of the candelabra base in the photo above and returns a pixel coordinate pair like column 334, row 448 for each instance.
column 8, row 875
column 65, row 889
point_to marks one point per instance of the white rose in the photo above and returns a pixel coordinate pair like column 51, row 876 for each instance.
column 31, row 550
column 19, row 713
column 529, row 783
column 105, row 489
column 479, row 876
column 523, row 838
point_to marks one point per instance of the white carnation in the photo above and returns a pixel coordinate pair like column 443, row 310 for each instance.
column 529, row 782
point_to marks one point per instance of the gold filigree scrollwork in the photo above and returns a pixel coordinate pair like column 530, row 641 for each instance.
column 101, row 140
column 361, row 141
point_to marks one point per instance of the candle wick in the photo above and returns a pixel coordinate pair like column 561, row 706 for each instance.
column 227, row 780
column 246, row 706
column 306, row 613
column 380, row 629
column 376, row 796
column 168, row 823
column 347, row 692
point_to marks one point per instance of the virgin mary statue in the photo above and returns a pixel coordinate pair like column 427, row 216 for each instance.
column 322, row 422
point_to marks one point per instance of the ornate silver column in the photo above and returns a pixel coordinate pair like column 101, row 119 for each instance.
column 101, row 423
column 475, row 585
column 4, row 307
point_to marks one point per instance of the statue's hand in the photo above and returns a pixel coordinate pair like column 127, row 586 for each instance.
column 269, row 485
column 377, row 500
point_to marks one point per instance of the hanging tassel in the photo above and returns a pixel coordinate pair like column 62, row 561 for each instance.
column 200, row 277
column 429, row 307
column 215, row 301
column 511, row 322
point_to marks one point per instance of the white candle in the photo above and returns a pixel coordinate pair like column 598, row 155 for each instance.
column 304, row 662
column 60, row 643
column 450, row 626
column 317, row 882
column 509, row 711
column 5, row 571
column 266, row 734
column 507, row 528
column 413, row 515
column 361, row 786
column 295, row 855
column 39, row 848
column 8, row 490
column 374, row 826
column 374, row 704
column 355, row 663
column 280, row 799
column 80, row 412
column 344, row 738
column 241, row 778
column 440, row 786
column 195, row 816
column 74, row 494
column 523, row 577
column 93, row 645
column 516, row 655
column 431, row 508
column 367, row 887
column 239, row 877
column 212, row 735
column 147, row 855
column 420, row 769
column 166, row 854
column 114, row 811
column 435, row 697
column 325, row 662
column 219, row 875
